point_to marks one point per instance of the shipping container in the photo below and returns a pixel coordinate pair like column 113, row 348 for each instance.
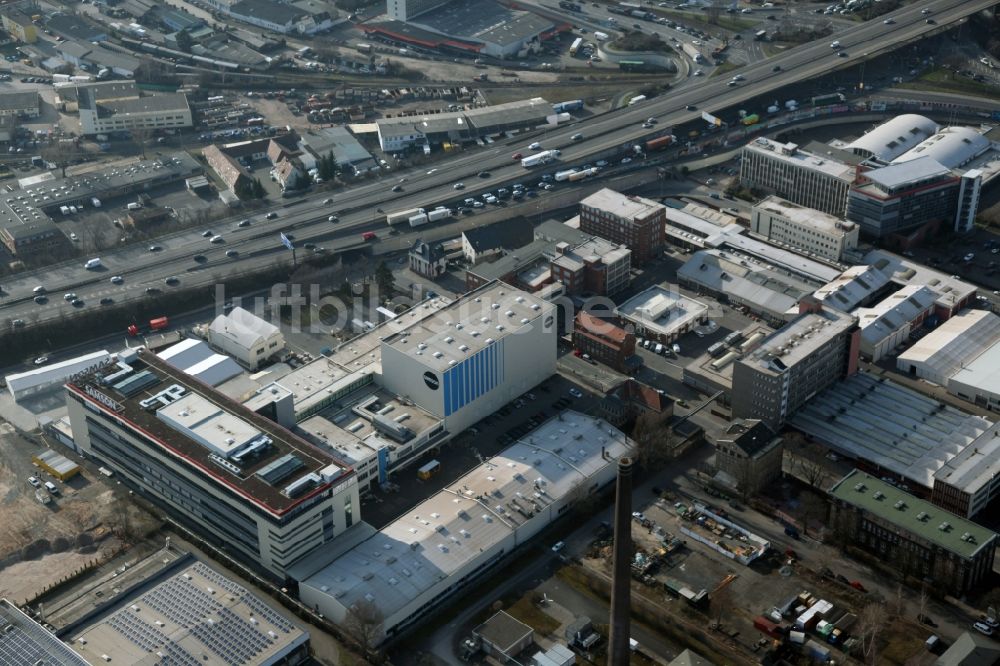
column 765, row 626
column 429, row 470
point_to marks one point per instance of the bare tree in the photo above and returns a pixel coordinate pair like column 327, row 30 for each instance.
column 870, row 625
column 810, row 471
column 897, row 600
column 922, row 604
column 653, row 439
column 364, row 621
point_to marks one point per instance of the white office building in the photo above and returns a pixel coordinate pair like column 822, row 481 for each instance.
column 803, row 229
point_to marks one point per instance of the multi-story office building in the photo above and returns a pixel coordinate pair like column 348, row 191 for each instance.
column 637, row 223
column 240, row 479
column 807, row 177
column 803, row 229
column 793, row 364
column 906, row 197
column 596, row 266
column 154, row 112
column 910, row 535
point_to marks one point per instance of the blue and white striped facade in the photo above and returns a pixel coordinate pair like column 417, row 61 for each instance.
column 473, row 377
column 474, row 356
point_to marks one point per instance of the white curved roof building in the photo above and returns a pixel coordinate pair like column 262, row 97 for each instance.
column 952, row 146
column 894, row 137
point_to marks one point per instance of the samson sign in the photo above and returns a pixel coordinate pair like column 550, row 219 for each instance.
column 108, row 402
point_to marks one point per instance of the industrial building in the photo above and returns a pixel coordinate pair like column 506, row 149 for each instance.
column 952, row 293
column 858, row 286
column 195, row 358
column 444, row 543
column 24, row 384
column 246, row 337
column 404, row 132
column 661, row 314
column 816, row 349
column 152, row 112
column 963, row 355
column 919, row 442
column 19, row 25
column 23, row 104
column 347, row 151
column 29, row 234
column 803, row 229
column 186, row 612
column 238, row 478
column 893, row 138
column 482, row 243
column 24, row 642
column 888, row 324
column 634, row 222
column 910, row 535
column 712, row 372
column 489, row 28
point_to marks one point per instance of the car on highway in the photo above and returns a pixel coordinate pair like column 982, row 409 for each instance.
column 626, row 160
column 516, row 156
column 200, row 258
column 41, row 299
column 172, row 280
column 69, row 296
column 739, row 77
column 117, row 279
column 333, row 218
column 690, row 107
column 397, row 188
column 73, row 236
column 647, row 126
column 215, row 239
column 310, row 246
column 835, row 45
column 925, row 11
column 271, row 216
column 17, row 323
column 652, row 121
column 107, row 300
column 207, row 234
column 458, row 186
column 575, row 392
column 698, row 72
column 327, row 201
column 152, row 290
column 930, row 22
column 232, row 254
column 776, row 68
column 558, row 546
column 244, row 223
column 889, row 21
column 731, row 83
column 77, row 303
column 484, row 174
column 842, row 54
column 38, row 290
column 154, row 248
column 577, row 137
column 41, row 360
column 535, row 146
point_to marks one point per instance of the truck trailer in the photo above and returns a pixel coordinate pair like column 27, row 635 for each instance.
column 157, row 324
column 537, row 159
column 403, row 215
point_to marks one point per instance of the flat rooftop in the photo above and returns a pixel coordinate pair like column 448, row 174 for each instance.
column 801, row 337
column 485, row 21
column 907, row 174
column 470, row 324
column 191, row 615
column 661, row 309
column 800, row 158
column 950, row 291
column 774, row 257
column 366, row 349
column 685, row 226
column 250, row 456
column 896, row 428
column 957, row 341
column 983, row 372
column 806, row 217
column 521, row 112
column 622, row 205
column 719, row 369
column 911, row 514
column 135, row 176
column 465, row 521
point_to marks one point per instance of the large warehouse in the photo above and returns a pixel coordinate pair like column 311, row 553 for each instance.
column 441, row 545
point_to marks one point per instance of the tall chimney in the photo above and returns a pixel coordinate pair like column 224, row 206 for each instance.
column 621, row 590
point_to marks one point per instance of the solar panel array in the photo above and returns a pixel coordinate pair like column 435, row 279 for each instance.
column 149, row 638
column 23, row 644
column 247, row 597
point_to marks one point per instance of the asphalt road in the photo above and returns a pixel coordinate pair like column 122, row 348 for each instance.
column 605, row 135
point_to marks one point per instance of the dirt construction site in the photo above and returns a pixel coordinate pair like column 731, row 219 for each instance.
column 87, row 521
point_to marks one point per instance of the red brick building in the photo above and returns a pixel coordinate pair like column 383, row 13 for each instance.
column 637, row 223
column 604, row 341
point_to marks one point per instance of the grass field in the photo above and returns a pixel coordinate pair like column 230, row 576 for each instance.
column 942, row 80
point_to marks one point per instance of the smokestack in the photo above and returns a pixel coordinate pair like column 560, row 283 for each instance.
column 621, row 590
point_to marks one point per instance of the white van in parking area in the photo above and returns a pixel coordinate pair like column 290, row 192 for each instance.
column 659, row 348
column 51, row 487
column 93, row 263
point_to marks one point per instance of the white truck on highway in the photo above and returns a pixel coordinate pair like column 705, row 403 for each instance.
column 692, row 51
column 564, row 175
column 418, row 219
column 537, row 159
column 403, row 215
column 580, row 175
column 439, row 214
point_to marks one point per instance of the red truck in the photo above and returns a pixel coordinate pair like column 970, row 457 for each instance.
column 768, row 628
column 157, row 324
column 662, row 142
column 369, row 236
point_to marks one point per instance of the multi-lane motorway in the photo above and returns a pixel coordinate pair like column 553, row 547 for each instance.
column 258, row 245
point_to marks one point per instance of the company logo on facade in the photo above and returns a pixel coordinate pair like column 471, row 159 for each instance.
column 108, row 402
column 431, row 380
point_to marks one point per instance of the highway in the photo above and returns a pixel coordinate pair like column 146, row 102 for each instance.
column 306, row 218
